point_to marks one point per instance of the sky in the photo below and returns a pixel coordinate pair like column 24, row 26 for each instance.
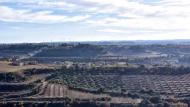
column 93, row 20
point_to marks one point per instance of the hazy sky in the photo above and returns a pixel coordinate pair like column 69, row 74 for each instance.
column 93, row 20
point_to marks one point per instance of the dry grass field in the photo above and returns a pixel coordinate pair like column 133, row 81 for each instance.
column 58, row 91
column 6, row 67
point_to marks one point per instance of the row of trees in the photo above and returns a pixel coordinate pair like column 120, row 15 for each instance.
column 162, row 70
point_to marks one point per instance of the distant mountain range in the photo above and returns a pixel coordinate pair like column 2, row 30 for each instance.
column 132, row 42
column 123, row 42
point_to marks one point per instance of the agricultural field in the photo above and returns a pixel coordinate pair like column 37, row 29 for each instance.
column 7, row 67
column 113, row 83
column 61, row 91
column 86, row 73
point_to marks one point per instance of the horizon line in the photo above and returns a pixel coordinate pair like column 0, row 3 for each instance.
column 94, row 41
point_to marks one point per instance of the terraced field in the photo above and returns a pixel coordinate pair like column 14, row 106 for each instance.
column 58, row 90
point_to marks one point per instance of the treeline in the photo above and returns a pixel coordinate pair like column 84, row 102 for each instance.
column 142, row 70
column 30, row 72
column 154, row 102
column 11, row 77
column 21, row 46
